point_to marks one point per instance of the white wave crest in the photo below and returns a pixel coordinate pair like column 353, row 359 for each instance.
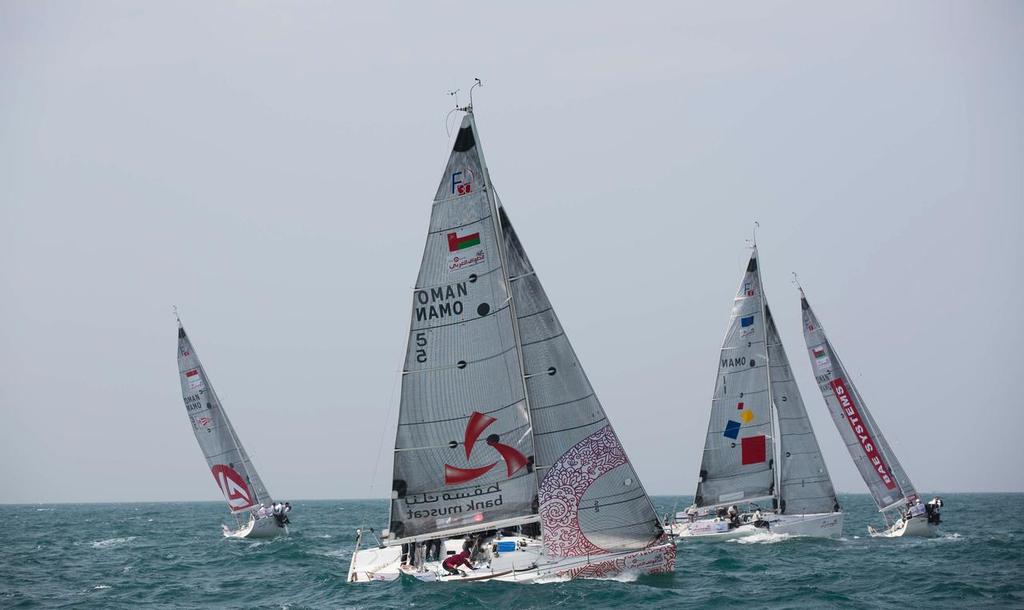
column 109, row 542
column 762, row 538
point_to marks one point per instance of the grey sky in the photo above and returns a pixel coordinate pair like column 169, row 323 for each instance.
column 269, row 167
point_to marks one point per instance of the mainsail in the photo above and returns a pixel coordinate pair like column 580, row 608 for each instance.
column 493, row 397
column 881, row 471
column 804, row 484
column 591, row 500
column 228, row 461
column 738, row 461
column 464, row 449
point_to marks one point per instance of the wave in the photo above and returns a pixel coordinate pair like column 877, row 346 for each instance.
column 763, row 538
column 102, row 544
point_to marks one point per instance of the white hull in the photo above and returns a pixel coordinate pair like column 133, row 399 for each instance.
column 914, row 527
column 527, row 564
column 257, row 528
column 820, row 525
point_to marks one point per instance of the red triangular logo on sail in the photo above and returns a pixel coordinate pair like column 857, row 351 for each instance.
column 478, row 422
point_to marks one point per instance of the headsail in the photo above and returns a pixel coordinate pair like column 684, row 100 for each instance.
column 738, row 460
column 591, row 500
column 805, row 486
column 228, row 461
column 885, row 477
column 463, row 451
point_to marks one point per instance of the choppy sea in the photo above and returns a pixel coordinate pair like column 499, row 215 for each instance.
column 173, row 555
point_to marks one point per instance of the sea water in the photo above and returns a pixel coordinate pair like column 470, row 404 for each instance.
column 173, row 555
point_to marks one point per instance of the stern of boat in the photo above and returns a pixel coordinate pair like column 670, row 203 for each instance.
column 257, row 528
column 915, row 527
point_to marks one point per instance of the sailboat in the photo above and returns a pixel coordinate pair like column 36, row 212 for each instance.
column 502, row 446
column 890, row 487
column 247, row 497
column 743, row 466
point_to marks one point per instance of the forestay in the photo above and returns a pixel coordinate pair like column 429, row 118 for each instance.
column 805, row 486
column 881, row 471
column 228, row 461
column 463, row 451
column 737, row 464
column 591, row 500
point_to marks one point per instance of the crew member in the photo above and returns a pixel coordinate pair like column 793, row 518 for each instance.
column 454, row 562
column 932, row 510
column 734, row 517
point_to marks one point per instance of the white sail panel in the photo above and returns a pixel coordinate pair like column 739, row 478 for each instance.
column 878, row 466
column 738, row 460
column 591, row 500
column 463, row 450
column 231, row 467
column 805, row 486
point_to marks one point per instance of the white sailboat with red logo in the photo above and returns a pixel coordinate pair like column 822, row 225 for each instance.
column 762, row 470
column 897, row 499
column 247, row 497
column 502, row 448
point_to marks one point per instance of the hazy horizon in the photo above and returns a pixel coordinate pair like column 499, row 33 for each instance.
column 269, row 168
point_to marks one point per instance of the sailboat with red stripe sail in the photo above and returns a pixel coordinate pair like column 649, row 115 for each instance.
column 762, row 469
column 505, row 466
column 897, row 499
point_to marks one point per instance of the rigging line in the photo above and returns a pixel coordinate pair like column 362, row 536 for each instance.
column 472, row 222
column 457, row 443
column 461, row 417
column 432, row 286
column 567, row 402
column 522, row 275
column 595, row 422
column 601, row 505
column 561, row 334
column 536, row 313
column 465, row 363
column 391, row 408
column 619, row 526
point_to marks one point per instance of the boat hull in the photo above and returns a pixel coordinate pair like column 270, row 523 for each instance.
column 819, row 525
column 527, row 564
column 257, row 528
column 915, row 527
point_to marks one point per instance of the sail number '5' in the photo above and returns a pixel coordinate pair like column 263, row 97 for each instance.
column 421, row 342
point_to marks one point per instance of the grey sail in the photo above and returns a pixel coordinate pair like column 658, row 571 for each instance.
column 230, row 464
column 464, row 451
column 591, row 499
column 738, row 460
column 804, row 483
column 878, row 466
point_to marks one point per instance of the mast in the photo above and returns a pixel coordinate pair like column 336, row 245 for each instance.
column 492, row 199
column 776, row 437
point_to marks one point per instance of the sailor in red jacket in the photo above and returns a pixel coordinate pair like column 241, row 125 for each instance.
column 452, row 563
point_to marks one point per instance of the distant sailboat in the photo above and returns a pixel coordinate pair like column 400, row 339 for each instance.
column 742, row 464
column 502, row 444
column 882, row 472
column 230, row 464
